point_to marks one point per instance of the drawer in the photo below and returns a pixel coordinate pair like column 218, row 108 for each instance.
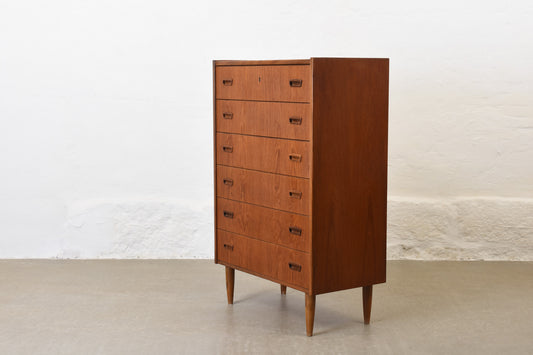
column 272, row 155
column 289, row 83
column 283, row 228
column 285, row 193
column 269, row 119
column 287, row 266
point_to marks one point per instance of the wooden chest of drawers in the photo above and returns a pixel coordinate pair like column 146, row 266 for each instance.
column 301, row 173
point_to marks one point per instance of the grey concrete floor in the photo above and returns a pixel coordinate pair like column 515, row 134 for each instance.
column 179, row 307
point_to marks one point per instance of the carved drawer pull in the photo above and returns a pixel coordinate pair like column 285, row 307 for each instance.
column 295, row 194
column 228, row 214
column 295, row 267
column 295, row 157
column 227, row 115
column 227, row 82
column 228, row 182
column 295, row 230
column 295, row 120
column 228, row 246
column 295, row 83
column 227, row 148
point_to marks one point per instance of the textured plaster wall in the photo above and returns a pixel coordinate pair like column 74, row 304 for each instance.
column 106, row 121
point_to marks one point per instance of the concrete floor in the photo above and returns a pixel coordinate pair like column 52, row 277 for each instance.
column 179, row 307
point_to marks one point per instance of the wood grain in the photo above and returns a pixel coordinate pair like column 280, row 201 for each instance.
column 287, row 266
column 281, row 156
column 349, row 182
column 264, row 189
column 269, row 119
column 267, row 83
column 273, row 226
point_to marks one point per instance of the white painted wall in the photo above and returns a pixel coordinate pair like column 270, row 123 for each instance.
column 106, row 121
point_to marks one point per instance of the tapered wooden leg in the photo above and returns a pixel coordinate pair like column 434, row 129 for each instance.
column 309, row 313
column 283, row 289
column 230, row 282
column 367, row 302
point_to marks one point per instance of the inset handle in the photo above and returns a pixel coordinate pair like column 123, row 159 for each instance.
column 295, row 83
column 228, row 214
column 295, row 157
column 295, row 230
column 227, row 115
column 295, row 120
column 227, row 82
column 228, row 246
column 295, row 194
column 294, row 266
column 227, row 148
column 228, row 182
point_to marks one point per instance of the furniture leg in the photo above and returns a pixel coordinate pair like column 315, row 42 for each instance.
column 309, row 313
column 230, row 282
column 283, row 289
column 367, row 302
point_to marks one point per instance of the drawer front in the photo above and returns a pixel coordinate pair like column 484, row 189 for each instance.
column 285, row 265
column 289, row 83
column 272, row 155
column 269, row 119
column 283, row 228
column 285, row 193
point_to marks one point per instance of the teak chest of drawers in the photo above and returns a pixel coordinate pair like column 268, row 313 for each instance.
column 301, row 173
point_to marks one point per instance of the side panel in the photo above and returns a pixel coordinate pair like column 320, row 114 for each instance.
column 349, row 178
